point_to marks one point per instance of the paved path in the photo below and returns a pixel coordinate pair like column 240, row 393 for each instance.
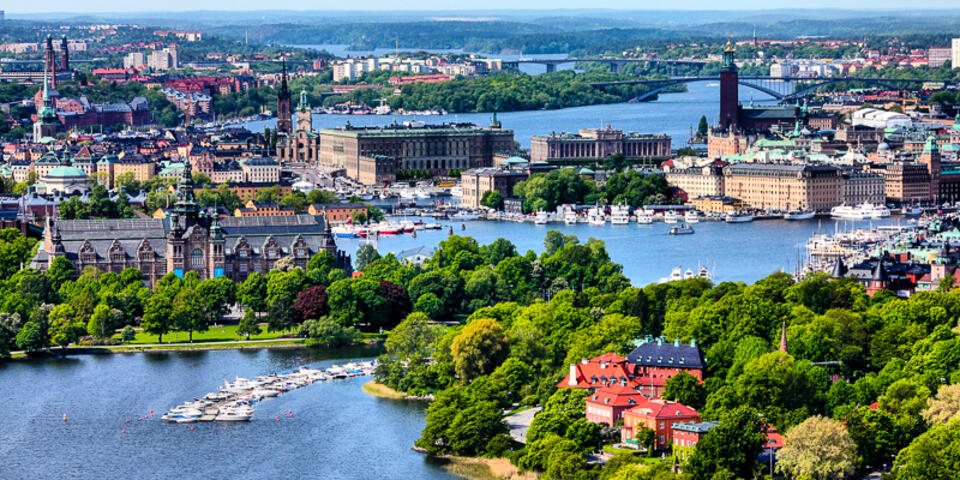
column 519, row 423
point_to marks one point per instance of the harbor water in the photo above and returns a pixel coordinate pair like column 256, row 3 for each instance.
column 336, row 430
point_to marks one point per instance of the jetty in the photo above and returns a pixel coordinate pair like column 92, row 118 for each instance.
column 234, row 401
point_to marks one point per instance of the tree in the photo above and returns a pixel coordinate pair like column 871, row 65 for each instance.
column 253, row 292
column 946, row 283
column 732, row 445
column 157, row 318
column 248, row 324
column 944, row 407
column 103, row 321
column 646, row 437
column 216, row 296
column 31, row 337
column 686, row 389
column 492, row 199
column 933, row 455
column 328, row 333
column 413, row 337
column 128, row 334
column 876, row 435
column 311, row 303
column 366, row 255
column 479, row 348
column 65, row 326
column 616, row 162
column 188, row 314
column 60, row 271
column 702, row 125
column 820, row 448
column 474, row 427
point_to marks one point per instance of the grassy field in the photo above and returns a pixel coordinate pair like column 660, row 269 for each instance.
column 226, row 333
column 485, row 469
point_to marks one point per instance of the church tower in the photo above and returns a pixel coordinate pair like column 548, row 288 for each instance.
column 729, row 90
column 304, row 113
column 284, row 120
column 217, row 257
column 50, row 61
column 64, row 55
column 47, row 122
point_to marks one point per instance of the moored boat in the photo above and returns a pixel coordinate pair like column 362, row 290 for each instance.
column 799, row 215
column 739, row 217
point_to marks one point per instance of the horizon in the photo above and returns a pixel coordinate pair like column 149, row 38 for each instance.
column 108, row 7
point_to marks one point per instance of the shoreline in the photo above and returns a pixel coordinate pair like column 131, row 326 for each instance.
column 479, row 468
column 379, row 390
column 290, row 344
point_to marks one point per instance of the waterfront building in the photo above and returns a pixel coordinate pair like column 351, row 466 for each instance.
column 189, row 239
column 735, row 117
column 594, row 144
column 706, row 181
column 303, row 145
column 721, row 204
column 434, row 148
column 863, row 187
column 336, row 212
column 659, row 415
column 478, row 181
column 905, row 182
column 784, row 187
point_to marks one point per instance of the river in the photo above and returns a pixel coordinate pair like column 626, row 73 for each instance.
column 336, row 432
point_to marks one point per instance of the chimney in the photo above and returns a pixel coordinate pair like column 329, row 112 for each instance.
column 572, row 381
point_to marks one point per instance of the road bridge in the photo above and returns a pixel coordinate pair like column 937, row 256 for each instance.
column 782, row 88
column 615, row 63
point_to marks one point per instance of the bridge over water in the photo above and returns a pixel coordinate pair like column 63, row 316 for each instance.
column 615, row 63
column 782, row 88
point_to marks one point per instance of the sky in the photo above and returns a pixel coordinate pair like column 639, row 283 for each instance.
column 91, row 6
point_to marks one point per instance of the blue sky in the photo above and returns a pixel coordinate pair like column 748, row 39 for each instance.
column 89, row 6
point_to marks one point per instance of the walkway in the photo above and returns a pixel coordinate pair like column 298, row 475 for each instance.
column 519, row 423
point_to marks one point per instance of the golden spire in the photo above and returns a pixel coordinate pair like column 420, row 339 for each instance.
column 729, row 47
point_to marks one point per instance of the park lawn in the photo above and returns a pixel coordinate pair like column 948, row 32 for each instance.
column 226, row 333
column 186, row 346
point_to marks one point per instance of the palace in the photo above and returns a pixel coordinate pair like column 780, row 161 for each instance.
column 189, row 239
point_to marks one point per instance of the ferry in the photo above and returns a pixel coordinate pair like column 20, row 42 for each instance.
column 861, row 212
column 671, row 217
column 619, row 215
column 799, row 215
column 595, row 217
column 644, row 216
column 692, row 216
column 739, row 217
column 681, row 229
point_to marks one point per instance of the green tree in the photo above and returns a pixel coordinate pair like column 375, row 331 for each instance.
column 492, row 199
column 932, row 455
column 732, row 445
column 686, row 389
column 413, row 337
column 60, row 271
column 31, row 337
column 876, row 435
column 103, row 321
column 128, row 334
column 479, row 349
column 248, row 324
column 819, row 448
column 157, row 318
column 65, row 326
column 702, row 126
column 646, row 437
column 253, row 292
column 188, row 315
column 366, row 254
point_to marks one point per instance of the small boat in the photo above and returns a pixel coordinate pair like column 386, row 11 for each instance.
column 671, row 217
column 681, row 229
column 739, row 217
column 912, row 211
column 595, row 217
column 570, row 218
column 799, row 215
column 235, row 414
column 464, row 216
column 692, row 216
column 540, row 218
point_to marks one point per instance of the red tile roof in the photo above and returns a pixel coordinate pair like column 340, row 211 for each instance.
column 616, row 396
column 593, row 375
column 660, row 409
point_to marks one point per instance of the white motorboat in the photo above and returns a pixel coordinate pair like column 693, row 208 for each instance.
column 671, row 217
column 265, row 392
column 871, row 210
column 619, row 215
column 570, row 218
column 644, row 216
column 681, row 229
column 799, row 215
column 407, row 194
column 847, row 212
column 675, row 275
column 540, row 218
column 692, row 216
column 235, row 414
column 739, row 217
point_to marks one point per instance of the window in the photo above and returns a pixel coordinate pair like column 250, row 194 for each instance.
column 243, row 268
column 196, row 258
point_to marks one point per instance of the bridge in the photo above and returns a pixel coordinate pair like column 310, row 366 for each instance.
column 781, row 88
column 615, row 63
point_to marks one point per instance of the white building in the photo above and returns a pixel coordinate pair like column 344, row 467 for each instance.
column 955, row 49
column 874, row 118
column 134, row 60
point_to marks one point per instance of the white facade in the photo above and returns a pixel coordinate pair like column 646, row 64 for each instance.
column 874, row 118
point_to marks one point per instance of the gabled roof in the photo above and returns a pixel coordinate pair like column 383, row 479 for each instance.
column 590, row 374
column 660, row 409
column 660, row 353
column 616, row 396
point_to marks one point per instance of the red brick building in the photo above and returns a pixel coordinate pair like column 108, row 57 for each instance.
column 659, row 415
column 607, row 404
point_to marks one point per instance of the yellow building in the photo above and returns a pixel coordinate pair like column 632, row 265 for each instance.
column 771, row 186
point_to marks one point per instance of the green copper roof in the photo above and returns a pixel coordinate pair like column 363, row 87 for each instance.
column 65, row 172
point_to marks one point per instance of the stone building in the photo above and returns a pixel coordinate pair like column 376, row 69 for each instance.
column 434, row 148
column 189, row 239
column 597, row 144
column 706, row 181
column 475, row 182
column 784, row 187
column 863, row 187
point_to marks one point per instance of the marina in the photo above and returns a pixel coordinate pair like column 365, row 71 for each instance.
column 234, row 401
